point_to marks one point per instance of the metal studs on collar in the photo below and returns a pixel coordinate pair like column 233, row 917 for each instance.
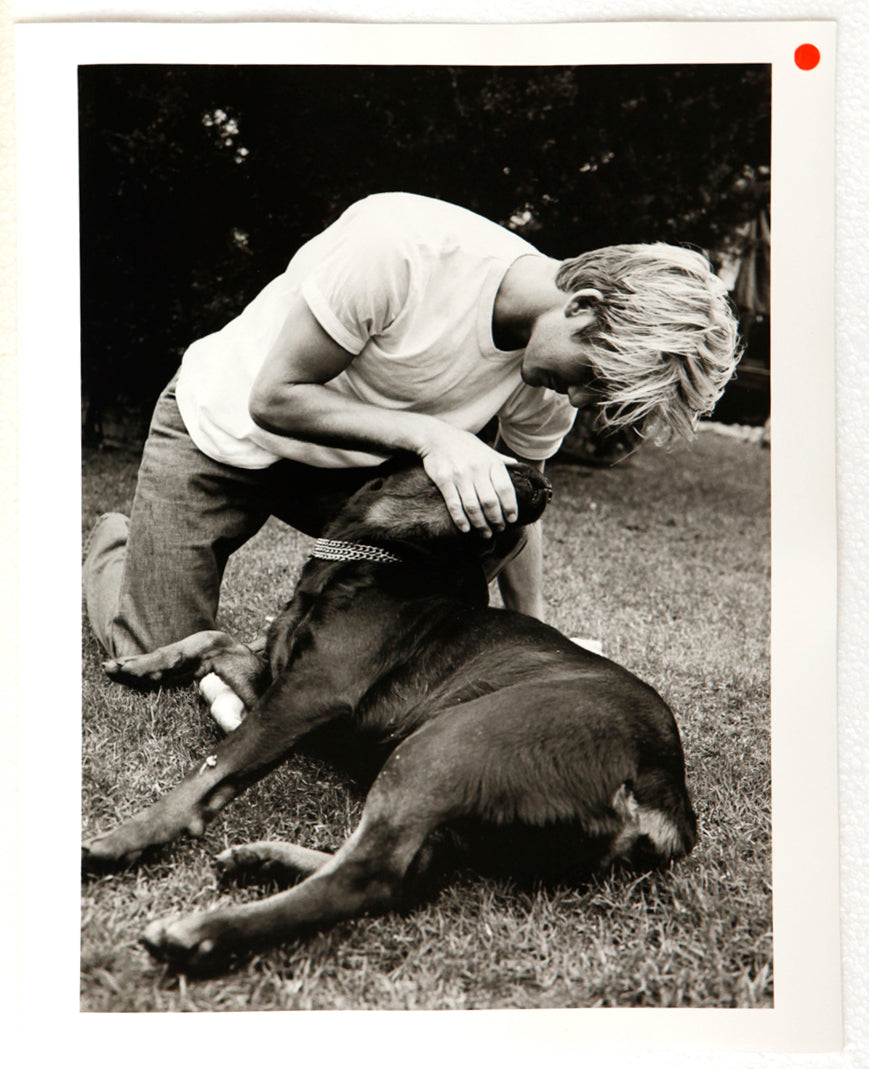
column 332, row 549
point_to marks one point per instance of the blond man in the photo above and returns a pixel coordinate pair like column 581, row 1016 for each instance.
column 407, row 325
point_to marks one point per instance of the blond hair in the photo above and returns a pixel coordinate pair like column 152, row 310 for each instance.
column 665, row 340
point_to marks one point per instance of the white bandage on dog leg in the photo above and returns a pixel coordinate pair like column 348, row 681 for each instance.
column 225, row 705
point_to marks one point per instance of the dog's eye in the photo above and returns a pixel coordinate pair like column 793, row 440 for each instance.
column 375, row 485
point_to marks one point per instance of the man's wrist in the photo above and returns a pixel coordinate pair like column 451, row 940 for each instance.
column 422, row 434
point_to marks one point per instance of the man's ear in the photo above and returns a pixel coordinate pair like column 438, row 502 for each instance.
column 583, row 305
column 582, row 301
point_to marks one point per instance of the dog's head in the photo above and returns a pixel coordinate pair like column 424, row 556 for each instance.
column 405, row 505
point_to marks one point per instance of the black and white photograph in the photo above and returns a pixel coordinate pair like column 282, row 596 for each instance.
column 484, row 263
column 428, row 449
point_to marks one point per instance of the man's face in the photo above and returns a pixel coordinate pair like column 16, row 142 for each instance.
column 557, row 355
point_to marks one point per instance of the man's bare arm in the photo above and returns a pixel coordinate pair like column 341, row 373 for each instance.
column 521, row 580
column 289, row 398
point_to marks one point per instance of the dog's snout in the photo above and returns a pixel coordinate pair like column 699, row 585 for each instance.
column 547, row 490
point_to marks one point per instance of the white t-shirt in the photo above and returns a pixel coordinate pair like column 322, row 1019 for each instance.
column 408, row 285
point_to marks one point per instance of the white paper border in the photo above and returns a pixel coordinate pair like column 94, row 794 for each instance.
column 802, row 466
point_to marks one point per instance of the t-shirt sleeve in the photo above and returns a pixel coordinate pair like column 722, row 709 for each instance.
column 360, row 287
column 534, row 421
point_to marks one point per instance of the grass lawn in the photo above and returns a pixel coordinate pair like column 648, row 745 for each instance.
column 665, row 559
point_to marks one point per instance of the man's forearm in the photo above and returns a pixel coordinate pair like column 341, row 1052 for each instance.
column 521, row 581
column 316, row 414
column 289, row 396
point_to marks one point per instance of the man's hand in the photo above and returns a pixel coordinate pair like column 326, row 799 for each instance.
column 472, row 478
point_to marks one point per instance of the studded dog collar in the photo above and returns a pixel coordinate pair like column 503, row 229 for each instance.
column 332, row 549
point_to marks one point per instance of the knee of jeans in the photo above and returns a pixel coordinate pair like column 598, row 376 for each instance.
column 111, row 531
column 102, row 576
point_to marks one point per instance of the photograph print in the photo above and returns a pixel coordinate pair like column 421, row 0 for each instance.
column 426, row 536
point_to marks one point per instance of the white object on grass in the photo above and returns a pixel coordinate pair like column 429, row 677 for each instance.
column 225, row 705
column 593, row 645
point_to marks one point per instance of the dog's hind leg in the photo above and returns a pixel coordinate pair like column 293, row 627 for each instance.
column 365, row 875
column 368, row 874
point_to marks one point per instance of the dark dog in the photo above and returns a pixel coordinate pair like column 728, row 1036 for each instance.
column 543, row 760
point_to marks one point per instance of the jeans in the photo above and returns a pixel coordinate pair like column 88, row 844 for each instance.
column 155, row 578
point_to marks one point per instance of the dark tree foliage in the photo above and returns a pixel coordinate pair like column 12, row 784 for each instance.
column 198, row 183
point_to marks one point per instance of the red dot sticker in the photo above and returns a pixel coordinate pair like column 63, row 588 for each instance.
column 807, row 57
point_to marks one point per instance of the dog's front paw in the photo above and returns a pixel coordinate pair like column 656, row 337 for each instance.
column 126, row 671
column 106, row 852
column 142, row 669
